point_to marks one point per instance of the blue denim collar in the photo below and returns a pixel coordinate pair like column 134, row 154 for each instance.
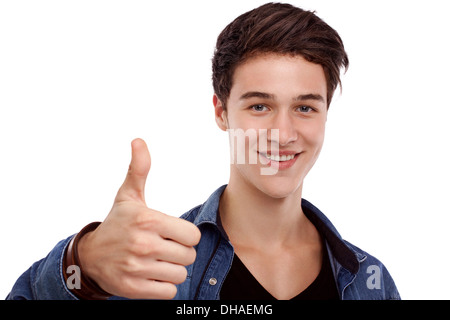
column 345, row 255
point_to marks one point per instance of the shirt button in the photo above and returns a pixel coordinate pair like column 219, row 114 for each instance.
column 213, row 281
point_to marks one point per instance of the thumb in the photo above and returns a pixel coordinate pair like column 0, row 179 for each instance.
column 134, row 184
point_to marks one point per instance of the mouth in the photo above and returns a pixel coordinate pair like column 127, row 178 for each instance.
column 281, row 160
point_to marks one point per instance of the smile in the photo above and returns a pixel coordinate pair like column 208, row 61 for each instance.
column 279, row 158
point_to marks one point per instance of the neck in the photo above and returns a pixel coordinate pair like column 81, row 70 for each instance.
column 254, row 219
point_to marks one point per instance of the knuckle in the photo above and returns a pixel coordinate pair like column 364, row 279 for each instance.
column 137, row 245
column 154, row 251
column 147, row 220
column 142, row 245
column 130, row 266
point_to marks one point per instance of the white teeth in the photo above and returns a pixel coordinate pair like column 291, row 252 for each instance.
column 278, row 158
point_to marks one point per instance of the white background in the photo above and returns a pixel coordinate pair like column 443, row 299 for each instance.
column 80, row 79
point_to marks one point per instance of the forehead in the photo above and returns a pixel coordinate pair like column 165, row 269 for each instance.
column 279, row 74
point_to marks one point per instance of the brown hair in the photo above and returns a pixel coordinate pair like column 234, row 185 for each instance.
column 277, row 28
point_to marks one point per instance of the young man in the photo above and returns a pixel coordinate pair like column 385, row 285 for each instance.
column 275, row 70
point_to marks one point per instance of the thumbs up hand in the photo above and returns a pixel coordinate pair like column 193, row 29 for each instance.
column 138, row 252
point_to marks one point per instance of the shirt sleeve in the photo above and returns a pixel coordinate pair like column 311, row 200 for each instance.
column 44, row 280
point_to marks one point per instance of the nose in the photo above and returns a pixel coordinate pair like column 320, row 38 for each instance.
column 287, row 132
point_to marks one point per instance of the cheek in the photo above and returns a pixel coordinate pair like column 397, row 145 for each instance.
column 242, row 122
column 313, row 137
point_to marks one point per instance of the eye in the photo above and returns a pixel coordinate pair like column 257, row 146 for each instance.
column 258, row 107
column 305, row 109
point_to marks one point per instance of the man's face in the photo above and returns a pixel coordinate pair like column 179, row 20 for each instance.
column 280, row 92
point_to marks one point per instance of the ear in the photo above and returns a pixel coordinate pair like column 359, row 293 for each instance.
column 220, row 113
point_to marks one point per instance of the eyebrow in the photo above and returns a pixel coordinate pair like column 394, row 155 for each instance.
column 257, row 94
column 310, row 96
column 269, row 96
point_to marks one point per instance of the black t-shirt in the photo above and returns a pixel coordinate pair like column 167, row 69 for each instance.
column 240, row 284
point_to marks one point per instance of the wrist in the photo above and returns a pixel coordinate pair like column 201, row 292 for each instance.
column 88, row 288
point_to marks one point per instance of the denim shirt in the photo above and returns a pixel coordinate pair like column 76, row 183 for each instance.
column 358, row 275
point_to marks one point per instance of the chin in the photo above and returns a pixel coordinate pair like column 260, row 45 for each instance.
column 279, row 188
column 271, row 186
